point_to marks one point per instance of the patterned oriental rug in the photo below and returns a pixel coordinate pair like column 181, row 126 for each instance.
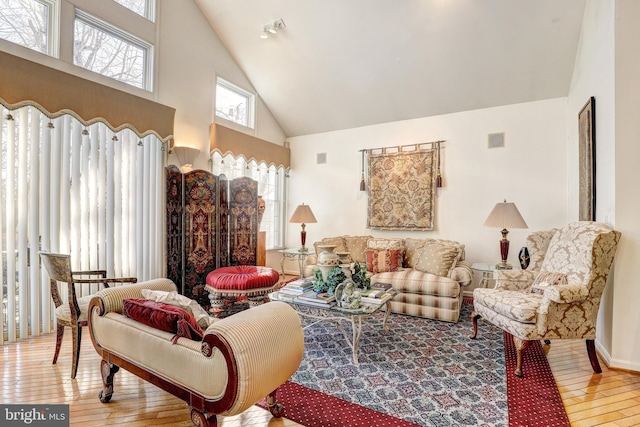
column 422, row 372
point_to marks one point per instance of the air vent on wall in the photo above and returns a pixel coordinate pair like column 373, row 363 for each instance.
column 321, row 158
column 496, row 140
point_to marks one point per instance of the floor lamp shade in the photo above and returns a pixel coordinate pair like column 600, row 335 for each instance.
column 505, row 215
column 303, row 215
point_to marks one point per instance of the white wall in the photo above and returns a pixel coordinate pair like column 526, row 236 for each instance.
column 625, row 350
column 594, row 76
column 607, row 67
column 530, row 171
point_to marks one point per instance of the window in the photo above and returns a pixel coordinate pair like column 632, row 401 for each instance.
column 234, row 104
column 141, row 7
column 107, row 50
column 271, row 186
column 29, row 23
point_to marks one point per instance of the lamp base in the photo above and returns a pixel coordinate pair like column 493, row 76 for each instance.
column 503, row 266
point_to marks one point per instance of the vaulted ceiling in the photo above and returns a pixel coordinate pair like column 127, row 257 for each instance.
column 341, row 64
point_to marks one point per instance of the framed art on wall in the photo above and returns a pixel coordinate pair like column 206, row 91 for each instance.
column 587, row 161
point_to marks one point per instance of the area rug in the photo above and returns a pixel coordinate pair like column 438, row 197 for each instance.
column 421, row 371
column 534, row 400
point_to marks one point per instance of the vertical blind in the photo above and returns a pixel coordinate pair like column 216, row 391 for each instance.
column 76, row 189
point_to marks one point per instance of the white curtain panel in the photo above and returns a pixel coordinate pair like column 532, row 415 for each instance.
column 86, row 191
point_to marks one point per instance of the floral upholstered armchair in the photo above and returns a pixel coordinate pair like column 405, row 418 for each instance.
column 558, row 295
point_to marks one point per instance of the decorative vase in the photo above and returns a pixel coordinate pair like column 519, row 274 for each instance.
column 327, row 259
column 523, row 256
column 344, row 259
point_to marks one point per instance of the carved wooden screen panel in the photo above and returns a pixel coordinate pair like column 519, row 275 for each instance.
column 200, row 218
column 174, row 225
column 243, row 221
column 223, row 222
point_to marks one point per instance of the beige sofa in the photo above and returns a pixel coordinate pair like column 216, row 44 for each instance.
column 428, row 274
column 240, row 360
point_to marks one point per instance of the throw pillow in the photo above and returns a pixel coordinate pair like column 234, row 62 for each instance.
column 165, row 317
column 381, row 261
column 174, row 298
column 357, row 247
column 412, row 249
column 545, row 279
column 437, row 258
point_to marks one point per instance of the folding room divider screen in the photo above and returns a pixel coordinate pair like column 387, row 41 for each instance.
column 212, row 222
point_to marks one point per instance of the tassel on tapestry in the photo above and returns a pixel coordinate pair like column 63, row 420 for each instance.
column 362, row 185
column 439, row 175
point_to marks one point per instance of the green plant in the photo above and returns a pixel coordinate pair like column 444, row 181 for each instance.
column 335, row 276
column 359, row 275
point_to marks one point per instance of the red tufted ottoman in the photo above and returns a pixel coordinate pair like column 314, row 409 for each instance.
column 231, row 283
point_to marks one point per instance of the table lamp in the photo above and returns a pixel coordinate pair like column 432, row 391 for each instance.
column 505, row 215
column 303, row 215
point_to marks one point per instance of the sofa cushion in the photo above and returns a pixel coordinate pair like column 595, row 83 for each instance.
column 417, row 282
column 357, row 247
column 164, row 317
column 437, row 258
column 378, row 243
column 379, row 261
column 412, row 249
column 337, row 241
column 547, row 278
column 191, row 306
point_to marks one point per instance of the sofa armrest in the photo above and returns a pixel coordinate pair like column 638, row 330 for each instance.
column 462, row 273
column 566, row 294
column 514, row 280
column 265, row 339
column 111, row 298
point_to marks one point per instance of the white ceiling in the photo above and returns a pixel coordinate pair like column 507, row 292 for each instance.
column 341, row 64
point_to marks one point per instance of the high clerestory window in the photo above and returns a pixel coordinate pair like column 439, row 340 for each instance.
column 234, row 103
column 30, row 23
column 110, row 51
column 141, row 7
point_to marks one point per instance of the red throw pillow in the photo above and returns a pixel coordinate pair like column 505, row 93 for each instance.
column 165, row 317
column 380, row 261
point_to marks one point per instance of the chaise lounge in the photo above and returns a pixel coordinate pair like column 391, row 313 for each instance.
column 241, row 359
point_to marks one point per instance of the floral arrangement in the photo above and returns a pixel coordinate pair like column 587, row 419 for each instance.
column 336, row 275
column 359, row 275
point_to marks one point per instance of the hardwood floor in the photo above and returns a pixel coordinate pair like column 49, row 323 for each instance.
column 608, row 399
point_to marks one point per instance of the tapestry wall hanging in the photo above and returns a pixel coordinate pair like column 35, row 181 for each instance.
column 401, row 190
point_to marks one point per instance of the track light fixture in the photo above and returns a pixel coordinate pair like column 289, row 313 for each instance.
column 272, row 28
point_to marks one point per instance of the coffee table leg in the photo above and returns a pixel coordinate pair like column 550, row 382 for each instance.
column 356, row 326
column 387, row 311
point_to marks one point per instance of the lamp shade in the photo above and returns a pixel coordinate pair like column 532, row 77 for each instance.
column 505, row 215
column 303, row 215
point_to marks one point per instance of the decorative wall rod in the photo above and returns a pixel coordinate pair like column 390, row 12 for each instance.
column 400, row 147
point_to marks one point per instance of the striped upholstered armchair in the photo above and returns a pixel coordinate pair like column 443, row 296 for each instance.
column 558, row 296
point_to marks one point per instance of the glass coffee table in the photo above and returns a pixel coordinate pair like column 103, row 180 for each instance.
column 337, row 315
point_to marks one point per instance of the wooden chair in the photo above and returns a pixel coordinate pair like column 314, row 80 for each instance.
column 72, row 314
